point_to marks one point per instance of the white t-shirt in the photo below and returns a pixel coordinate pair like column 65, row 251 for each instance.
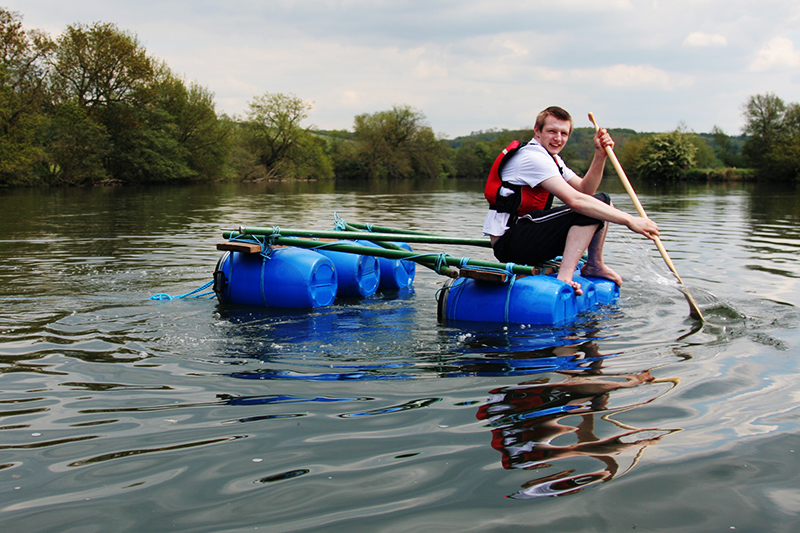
column 531, row 165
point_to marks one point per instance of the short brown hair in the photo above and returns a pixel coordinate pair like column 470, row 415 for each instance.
column 553, row 111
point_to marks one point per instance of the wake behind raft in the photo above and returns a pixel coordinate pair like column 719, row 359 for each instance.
column 296, row 269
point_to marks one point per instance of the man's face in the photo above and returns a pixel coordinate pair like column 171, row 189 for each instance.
column 554, row 135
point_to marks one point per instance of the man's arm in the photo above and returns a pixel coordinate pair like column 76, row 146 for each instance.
column 591, row 181
column 592, row 207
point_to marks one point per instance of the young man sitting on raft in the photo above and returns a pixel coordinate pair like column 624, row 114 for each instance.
column 522, row 226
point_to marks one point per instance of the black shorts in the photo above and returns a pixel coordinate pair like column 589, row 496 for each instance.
column 541, row 235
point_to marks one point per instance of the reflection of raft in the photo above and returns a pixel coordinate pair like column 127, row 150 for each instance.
column 291, row 272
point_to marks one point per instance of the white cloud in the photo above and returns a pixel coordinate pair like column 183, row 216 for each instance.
column 428, row 70
column 698, row 38
column 779, row 53
column 634, row 77
column 516, row 49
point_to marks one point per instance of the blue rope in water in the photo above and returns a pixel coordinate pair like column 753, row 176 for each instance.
column 193, row 294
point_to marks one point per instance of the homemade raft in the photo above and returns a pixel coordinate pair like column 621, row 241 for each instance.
column 295, row 268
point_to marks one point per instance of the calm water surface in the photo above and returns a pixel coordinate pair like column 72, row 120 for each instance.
column 118, row 413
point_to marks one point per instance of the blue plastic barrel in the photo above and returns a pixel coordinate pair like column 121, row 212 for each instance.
column 289, row 278
column 524, row 300
column 396, row 274
column 588, row 299
column 606, row 290
column 358, row 275
column 540, row 300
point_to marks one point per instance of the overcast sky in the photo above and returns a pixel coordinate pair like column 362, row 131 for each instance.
column 472, row 64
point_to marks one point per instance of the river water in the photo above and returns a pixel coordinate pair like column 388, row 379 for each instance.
column 121, row 413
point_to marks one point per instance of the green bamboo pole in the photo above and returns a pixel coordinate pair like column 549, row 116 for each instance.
column 384, row 244
column 423, row 258
column 365, row 235
column 385, row 229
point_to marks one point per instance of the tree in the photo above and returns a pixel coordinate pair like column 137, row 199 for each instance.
column 76, row 147
column 144, row 123
column 666, row 156
column 23, row 70
column 279, row 143
column 763, row 114
column 785, row 151
column 725, row 150
column 773, row 145
column 204, row 139
column 102, row 74
column 704, row 155
column 397, row 144
column 274, row 123
column 474, row 159
column 100, row 65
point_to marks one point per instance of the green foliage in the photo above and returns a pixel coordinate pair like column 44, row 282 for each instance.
column 666, row 156
column 704, row 155
column 23, row 66
column 100, row 65
column 630, row 153
column 396, row 144
column 720, row 174
column 195, row 126
column 76, row 147
column 773, row 146
column 726, row 149
column 473, row 156
column 144, row 123
column 274, row 137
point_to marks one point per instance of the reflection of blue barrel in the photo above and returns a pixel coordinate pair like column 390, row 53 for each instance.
column 358, row 275
column 542, row 300
column 289, row 278
column 395, row 273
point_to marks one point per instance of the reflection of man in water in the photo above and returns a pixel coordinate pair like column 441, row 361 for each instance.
column 527, row 418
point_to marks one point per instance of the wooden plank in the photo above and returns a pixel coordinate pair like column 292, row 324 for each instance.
column 494, row 276
column 483, row 275
column 239, row 246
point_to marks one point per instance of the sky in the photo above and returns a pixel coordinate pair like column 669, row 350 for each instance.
column 468, row 65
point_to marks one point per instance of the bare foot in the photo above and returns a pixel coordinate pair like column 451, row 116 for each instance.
column 601, row 271
column 574, row 284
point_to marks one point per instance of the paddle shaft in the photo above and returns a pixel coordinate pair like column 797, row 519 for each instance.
column 693, row 307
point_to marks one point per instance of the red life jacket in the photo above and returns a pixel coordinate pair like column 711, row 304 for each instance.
column 524, row 200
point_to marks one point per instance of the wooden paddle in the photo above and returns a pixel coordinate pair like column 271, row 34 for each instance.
column 694, row 310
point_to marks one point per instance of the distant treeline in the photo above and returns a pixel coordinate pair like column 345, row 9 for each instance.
column 92, row 107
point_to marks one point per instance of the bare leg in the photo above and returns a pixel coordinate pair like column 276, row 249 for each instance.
column 595, row 266
column 578, row 240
